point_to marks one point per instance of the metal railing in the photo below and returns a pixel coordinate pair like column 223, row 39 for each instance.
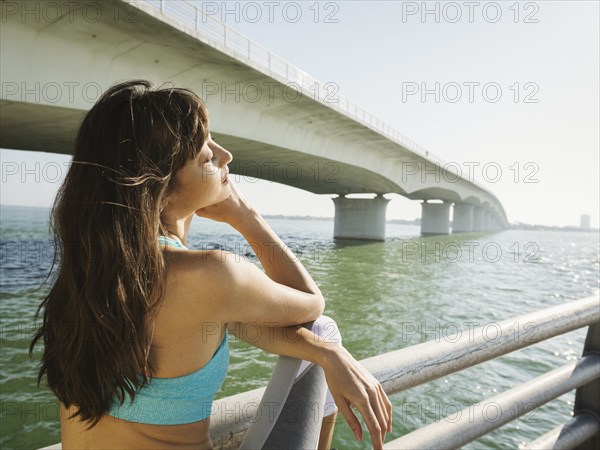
column 418, row 364
column 412, row 366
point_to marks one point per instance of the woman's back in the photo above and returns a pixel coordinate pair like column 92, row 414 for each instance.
column 186, row 333
column 181, row 347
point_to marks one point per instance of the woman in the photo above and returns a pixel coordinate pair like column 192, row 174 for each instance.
column 135, row 325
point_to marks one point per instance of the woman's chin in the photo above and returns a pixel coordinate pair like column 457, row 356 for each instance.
column 226, row 187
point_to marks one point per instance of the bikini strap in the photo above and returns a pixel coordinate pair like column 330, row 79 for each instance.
column 165, row 240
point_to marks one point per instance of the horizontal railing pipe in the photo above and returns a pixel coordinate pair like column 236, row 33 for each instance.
column 474, row 421
column 567, row 435
column 232, row 416
column 409, row 367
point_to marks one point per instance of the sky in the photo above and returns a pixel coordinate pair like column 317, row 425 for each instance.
column 517, row 96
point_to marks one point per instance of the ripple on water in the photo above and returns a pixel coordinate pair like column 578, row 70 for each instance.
column 382, row 298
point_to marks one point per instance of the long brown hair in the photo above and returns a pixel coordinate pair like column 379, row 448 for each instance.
column 105, row 222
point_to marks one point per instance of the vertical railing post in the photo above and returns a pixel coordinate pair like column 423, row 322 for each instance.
column 587, row 397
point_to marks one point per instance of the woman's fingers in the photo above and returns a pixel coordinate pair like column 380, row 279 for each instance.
column 355, row 387
column 379, row 409
column 388, row 407
column 376, row 399
column 367, row 403
column 383, row 404
column 366, row 410
column 350, row 417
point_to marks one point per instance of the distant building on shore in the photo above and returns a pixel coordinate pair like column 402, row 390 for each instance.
column 585, row 222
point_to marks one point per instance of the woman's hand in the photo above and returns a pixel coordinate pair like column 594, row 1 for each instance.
column 351, row 385
column 230, row 210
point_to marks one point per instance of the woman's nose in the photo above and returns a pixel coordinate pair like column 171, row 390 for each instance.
column 225, row 157
column 228, row 157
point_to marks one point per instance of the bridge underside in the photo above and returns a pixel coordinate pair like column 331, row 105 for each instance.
column 303, row 143
column 55, row 129
column 34, row 127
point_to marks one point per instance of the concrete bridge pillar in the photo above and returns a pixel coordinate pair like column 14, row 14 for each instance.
column 499, row 225
column 488, row 220
column 463, row 218
column 494, row 224
column 435, row 218
column 478, row 218
column 360, row 218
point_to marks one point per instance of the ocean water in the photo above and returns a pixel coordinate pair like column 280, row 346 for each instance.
column 383, row 295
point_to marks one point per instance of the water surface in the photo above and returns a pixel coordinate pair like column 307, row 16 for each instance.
column 383, row 295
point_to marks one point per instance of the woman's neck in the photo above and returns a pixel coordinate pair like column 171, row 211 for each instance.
column 178, row 229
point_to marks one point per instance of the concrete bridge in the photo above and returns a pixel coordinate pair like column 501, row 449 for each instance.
column 280, row 124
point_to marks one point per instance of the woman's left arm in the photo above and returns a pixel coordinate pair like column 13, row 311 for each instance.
column 351, row 385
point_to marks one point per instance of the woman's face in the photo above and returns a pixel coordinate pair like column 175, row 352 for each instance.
column 200, row 182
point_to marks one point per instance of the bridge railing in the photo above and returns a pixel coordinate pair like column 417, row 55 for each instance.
column 403, row 369
column 219, row 35
column 236, row 44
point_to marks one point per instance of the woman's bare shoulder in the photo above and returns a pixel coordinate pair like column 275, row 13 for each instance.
column 191, row 262
column 192, row 290
column 234, row 289
column 198, row 271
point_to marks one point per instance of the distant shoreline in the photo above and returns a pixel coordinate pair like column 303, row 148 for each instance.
column 526, row 226
column 287, row 217
column 514, row 226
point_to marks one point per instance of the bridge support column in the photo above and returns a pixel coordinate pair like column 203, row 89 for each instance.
column 478, row 218
column 462, row 221
column 360, row 218
column 495, row 223
column 435, row 218
column 489, row 218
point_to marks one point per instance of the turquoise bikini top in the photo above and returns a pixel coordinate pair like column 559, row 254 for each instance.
column 180, row 400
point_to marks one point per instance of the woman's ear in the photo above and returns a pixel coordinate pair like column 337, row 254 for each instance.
column 164, row 202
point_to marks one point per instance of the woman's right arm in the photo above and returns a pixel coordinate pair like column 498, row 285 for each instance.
column 285, row 294
column 279, row 262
